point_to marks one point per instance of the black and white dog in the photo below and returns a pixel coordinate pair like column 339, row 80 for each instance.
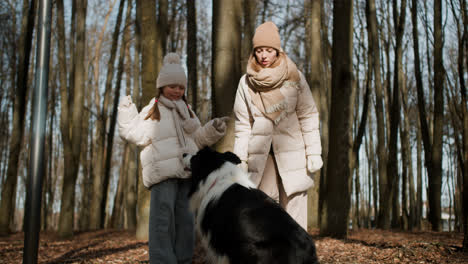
column 238, row 223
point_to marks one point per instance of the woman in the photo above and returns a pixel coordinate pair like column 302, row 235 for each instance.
column 277, row 133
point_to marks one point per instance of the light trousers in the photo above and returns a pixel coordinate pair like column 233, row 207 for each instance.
column 271, row 184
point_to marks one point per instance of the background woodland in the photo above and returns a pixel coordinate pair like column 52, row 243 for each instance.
column 389, row 79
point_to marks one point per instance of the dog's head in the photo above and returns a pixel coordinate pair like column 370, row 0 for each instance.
column 205, row 162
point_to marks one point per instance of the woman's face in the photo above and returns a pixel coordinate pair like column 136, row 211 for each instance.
column 266, row 56
column 173, row 92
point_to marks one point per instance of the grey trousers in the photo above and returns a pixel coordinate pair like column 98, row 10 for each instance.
column 171, row 224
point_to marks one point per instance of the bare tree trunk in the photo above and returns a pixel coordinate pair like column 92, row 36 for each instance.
column 100, row 175
column 373, row 171
column 149, row 63
column 118, row 205
column 117, row 210
column 404, row 178
column 462, row 51
column 146, row 18
column 338, row 171
column 86, row 162
column 250, row 12
column 71, row 135
column 8, row 199
column 408, row 214
column 374, row 46
column 192, row 53
column 424, row 131
column 435, row 179
column 370, row 185
column 131, row 192
column 399, row 18
column 324, row 103
column 46, row 208
column 226, row 59
column 6, row 100
column 419, row 201
column 162, row 30
column 314, row 43
column 112, row 124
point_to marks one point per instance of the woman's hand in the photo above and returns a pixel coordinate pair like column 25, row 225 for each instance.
column 314, row 163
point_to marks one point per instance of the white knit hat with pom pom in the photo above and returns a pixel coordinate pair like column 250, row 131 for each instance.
column 171, row 72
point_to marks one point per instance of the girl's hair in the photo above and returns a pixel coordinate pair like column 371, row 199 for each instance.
column 154, row 113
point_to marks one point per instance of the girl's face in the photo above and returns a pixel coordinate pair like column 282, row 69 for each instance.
column 266, row 56
column 173, row 92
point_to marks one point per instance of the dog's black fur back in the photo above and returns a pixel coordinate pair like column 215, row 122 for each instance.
column 250, row 227
column 246, row 225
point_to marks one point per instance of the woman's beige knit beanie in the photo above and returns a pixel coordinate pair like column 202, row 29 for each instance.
column 171, row 72
column 267, row 35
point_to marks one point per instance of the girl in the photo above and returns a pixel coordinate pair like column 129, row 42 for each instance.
column 166, row 128
column 277, row 133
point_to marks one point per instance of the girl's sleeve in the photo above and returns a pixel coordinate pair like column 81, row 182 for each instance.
column 308, row 116
column 132, row 126
column 242, row 127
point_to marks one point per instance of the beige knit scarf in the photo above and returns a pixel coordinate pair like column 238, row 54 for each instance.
column 180, row 112
column 264, row 84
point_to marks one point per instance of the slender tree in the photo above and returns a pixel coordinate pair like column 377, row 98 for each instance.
column 116, row 217
column 71, row 114
column 192, row 53
column 399, row 18
column 100, row 173
column 314, row 42
column 463, row 146
column 424, row 130
column 324, row 109
column 338, row 170
column 435, row 177
column 226, row 58
column 131, row 192
column 374, row 46
column 407, row 164
column 250, row 13
column 146, row 18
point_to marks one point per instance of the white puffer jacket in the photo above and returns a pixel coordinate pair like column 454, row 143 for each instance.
column 294, row 138
column 162, row 152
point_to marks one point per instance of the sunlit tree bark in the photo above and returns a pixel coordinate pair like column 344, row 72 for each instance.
column 150, row 65
column 374, row 46
column 226, row 60
column 71, row 119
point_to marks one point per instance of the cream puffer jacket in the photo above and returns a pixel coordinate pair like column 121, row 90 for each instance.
column 162, row 152
column 294, row 138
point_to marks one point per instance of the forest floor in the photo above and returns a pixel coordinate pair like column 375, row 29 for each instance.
column 362, row 246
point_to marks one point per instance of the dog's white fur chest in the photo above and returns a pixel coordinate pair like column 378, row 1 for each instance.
column 216, row 183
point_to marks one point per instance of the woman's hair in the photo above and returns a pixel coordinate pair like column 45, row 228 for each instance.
column 154, row 113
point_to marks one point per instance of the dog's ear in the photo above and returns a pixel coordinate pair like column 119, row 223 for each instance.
column 231, row 157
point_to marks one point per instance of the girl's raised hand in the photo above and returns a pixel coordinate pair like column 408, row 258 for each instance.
column 125, row 101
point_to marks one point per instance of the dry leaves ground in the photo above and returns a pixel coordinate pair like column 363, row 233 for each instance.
column 362, row 246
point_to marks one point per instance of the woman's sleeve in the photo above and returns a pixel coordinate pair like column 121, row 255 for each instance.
column 309, row 121
column 242, row 127
column 132, row 126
